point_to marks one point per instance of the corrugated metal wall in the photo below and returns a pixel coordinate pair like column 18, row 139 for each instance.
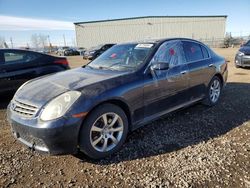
column 117, row 31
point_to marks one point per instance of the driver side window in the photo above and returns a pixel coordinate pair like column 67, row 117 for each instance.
column 170, row 52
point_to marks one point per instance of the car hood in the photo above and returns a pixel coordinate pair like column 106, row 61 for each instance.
column 245, row 50
column 40, row 91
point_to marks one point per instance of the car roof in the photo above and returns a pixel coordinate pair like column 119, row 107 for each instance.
column 159, row 41
column 21, row 50
column 15, row 49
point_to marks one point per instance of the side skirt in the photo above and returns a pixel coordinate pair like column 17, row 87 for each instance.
column 154, row 117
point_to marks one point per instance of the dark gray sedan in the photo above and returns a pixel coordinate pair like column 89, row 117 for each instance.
column 93, row 108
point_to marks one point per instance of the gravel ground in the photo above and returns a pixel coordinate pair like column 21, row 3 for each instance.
column 194, row 147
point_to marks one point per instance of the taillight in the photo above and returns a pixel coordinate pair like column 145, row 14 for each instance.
column 61, row 61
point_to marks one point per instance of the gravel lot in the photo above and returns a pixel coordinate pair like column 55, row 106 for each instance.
column 195, row 147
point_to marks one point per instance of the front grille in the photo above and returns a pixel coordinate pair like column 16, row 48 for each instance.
column 25, row 110
column 246, row 61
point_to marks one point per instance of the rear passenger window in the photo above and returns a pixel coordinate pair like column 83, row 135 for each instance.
column 12, row 57
column 205, row 52
column 192, row 51
column 19, row 57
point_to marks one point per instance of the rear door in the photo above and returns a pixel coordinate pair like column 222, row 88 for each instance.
column 18, row 67
column 200, row 65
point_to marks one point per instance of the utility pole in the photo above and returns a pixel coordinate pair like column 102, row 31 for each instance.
column 11, row 42
column 50, row 46
column 64, row 40
column 49, row 40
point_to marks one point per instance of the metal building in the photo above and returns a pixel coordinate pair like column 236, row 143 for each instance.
column 209, row 29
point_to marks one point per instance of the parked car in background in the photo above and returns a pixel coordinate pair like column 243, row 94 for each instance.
column 44, row 51
column 93, row 108
column 18, row 66
column 94, row 52
column 242, row 57
column 81, row 50
column 71, row 52
column 61, row 50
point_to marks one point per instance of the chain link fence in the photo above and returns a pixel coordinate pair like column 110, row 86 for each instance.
column 225, row 42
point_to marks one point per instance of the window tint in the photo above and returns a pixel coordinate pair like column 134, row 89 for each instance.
column 19, row 57
column 192, row 51
column 205, row 52
column 170, row 52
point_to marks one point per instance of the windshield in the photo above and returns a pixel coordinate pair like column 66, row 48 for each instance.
column 122, row 57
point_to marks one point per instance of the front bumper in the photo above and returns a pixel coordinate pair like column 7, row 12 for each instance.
column 53, row 137
column 243, row 61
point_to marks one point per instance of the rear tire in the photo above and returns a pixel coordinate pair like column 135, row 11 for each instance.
column 213, row 92
column 104, row 131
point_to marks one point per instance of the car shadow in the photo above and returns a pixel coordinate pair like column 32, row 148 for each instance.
column 5, row 99
column 244, row 68
column 187, row 127
column 247, row 68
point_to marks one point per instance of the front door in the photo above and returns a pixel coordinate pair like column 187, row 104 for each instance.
column 166, row 89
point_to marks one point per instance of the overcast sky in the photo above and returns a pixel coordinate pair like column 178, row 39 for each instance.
column 19, row 19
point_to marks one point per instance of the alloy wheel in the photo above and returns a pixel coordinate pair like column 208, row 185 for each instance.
column 106, row 132
column 215, row 89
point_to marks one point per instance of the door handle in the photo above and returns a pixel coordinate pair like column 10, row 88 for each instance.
column 183, row 72
column 211, row 65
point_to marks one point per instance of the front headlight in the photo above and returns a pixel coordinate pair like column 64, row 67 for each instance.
column 240, row 53
column 59, row 106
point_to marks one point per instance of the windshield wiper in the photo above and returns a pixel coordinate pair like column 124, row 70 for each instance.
column 99, row 67
column 106, row 68
column 121, row 65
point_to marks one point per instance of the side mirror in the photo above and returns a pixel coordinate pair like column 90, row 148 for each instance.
column 160, row 66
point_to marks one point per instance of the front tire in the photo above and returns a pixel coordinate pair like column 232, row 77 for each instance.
column 213, row 92
column 237, row 66
column 104, row 131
